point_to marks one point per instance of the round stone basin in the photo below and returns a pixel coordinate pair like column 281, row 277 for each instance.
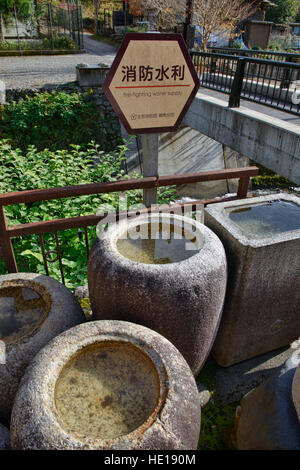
column 159, row 242
column 107, row 390
column 107, row 385
column 33, row 310
column 163, row 271
column 22, row 310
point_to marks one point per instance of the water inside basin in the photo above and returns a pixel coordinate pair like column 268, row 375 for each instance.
column 107, row 390
column 159, row 243
column 267, row 219
column 21, row 312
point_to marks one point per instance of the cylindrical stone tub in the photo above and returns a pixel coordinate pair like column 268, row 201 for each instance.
column 159, row 283
column 33, row 310
column 107, row 385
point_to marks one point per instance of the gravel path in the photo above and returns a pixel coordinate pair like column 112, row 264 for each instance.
column 37, row 71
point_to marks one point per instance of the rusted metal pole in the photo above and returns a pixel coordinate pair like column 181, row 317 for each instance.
column 34, row 195
column 6, row 245
column 148, row 184
column 243, row 187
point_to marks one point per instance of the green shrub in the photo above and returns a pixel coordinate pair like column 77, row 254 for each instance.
column 268, row 179
column 136, row 29
column 37, row 170
column 59, row 42
column 280, row 42
column 217, row 424
column 55, row 120
column 235, row 45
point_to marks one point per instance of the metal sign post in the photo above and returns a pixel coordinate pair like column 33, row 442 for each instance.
column 151, row 84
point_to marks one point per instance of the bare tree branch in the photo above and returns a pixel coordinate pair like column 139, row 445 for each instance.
column 211, row 15
column 220, row 15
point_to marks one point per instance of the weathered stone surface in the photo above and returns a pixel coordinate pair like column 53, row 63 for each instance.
column 296, row 389
column 204, row 394
column 81, row 292
column 182, row 301
column 261, row 310
column 174, row 424
column 4, row 438
column 267, row 417
column 91, row 75
column 62, row 311
column 230, row 384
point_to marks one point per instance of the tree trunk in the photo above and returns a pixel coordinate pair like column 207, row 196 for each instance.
column 1, row 28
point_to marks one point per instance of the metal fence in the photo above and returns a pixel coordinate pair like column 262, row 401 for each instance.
column 259, row 54
column 48, row 21
column 271, row 83
column 110, row 20
column 7, row 233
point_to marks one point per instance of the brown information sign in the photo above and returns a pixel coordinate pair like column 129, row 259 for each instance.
column 152, row 82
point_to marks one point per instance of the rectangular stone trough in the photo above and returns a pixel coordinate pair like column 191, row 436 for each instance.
column 91, row 75
column 261, row 237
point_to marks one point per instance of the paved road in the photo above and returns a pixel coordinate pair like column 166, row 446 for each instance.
column 36, row 71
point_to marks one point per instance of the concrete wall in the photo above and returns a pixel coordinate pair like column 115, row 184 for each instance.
column 188, row 151
column 267, row 140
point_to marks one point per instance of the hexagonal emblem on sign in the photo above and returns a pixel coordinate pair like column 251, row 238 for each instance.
column 152, row 82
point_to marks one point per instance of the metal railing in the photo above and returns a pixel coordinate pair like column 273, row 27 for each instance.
column 49, row 21
column 271, row 83
column 7, row 233
column 259, row 54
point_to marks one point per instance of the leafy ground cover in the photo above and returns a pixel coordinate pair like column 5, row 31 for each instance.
column 35, row 169
column 55, row 120
column 217, row 426
column 267, row 179
column 59, row 42
column 217, row 419
column 58, row 139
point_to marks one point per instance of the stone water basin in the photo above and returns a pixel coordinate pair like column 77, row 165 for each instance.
column 166, row 272
column 107, row 385
column 107, row 390
column 261, row 237
column 33, row 310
